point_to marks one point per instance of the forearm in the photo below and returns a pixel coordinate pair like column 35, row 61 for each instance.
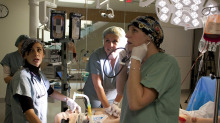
column 7, row 74
column 202, row 120
column 57, row 95
column 118, row 98
column 134, row 88
column 121, row 80
column 102, row 97
column 31, row 116
column 97, row 82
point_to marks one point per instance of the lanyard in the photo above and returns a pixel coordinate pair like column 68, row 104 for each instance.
column 39, row 85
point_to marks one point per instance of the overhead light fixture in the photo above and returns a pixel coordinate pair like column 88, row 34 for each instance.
column 105, row 2
column 78, row 1
column 186, row 13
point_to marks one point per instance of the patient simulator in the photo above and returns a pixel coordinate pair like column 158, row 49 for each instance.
column 96, row 115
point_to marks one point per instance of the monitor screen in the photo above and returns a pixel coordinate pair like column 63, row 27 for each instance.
column 60, row 75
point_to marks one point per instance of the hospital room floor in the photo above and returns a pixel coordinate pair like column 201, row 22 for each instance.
column 54, row 107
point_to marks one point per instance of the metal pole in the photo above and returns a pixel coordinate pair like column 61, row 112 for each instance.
column 217, row 91
column 64, row 84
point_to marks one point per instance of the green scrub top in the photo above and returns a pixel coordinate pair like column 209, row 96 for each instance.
column 161, row 72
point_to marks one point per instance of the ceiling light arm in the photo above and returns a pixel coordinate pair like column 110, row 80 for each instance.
column 145, row 3
column 99, row 5
column 108, row 8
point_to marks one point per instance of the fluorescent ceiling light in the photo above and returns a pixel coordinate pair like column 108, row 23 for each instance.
column 78, row 1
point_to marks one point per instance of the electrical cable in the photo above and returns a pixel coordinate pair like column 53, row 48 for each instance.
column 123, row 60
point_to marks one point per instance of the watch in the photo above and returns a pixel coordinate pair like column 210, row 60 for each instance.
column 3, row 11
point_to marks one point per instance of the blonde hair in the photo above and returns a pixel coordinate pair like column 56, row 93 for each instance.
column 118, row 31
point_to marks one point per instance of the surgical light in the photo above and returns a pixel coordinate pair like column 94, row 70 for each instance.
column 194, row 7
column 186, row 13
column 194, row 15
column 162, row 3
column 210, row 8
column 179, row 6
column 213, row 9
column 178, row 13
column 187, row 19
column 197, row 2
column 163, row 17
column 195, row 22
column 165, row 10
column 186, row 2
column 176, row 20
column 175, row 1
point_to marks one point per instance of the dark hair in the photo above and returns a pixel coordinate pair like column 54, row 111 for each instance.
column 28, row 44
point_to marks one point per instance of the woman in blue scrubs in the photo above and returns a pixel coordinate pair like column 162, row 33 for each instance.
column 29, row 88
column 101, row 89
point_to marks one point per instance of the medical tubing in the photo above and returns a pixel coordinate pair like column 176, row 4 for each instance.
column 201, row 54
column 191, row 68
column 201, row 63
column 121, row 67
column 89, row 109
column 87, row 98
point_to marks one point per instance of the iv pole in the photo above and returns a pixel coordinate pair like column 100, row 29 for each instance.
column 64, row 84
column 217, row 91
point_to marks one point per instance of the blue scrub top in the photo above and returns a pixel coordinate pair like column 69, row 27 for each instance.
column 26, row 83
column 13, row 60
column 95, row 66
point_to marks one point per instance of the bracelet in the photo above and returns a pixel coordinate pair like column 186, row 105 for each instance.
column 116, row 103
column 135, row 68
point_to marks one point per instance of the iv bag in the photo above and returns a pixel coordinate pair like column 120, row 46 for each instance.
column 212, row 31
column 203, row 45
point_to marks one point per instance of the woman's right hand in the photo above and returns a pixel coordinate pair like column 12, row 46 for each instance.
column 139, row 52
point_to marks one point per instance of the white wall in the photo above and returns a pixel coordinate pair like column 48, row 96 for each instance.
column 177, row 42
column 15, row 24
